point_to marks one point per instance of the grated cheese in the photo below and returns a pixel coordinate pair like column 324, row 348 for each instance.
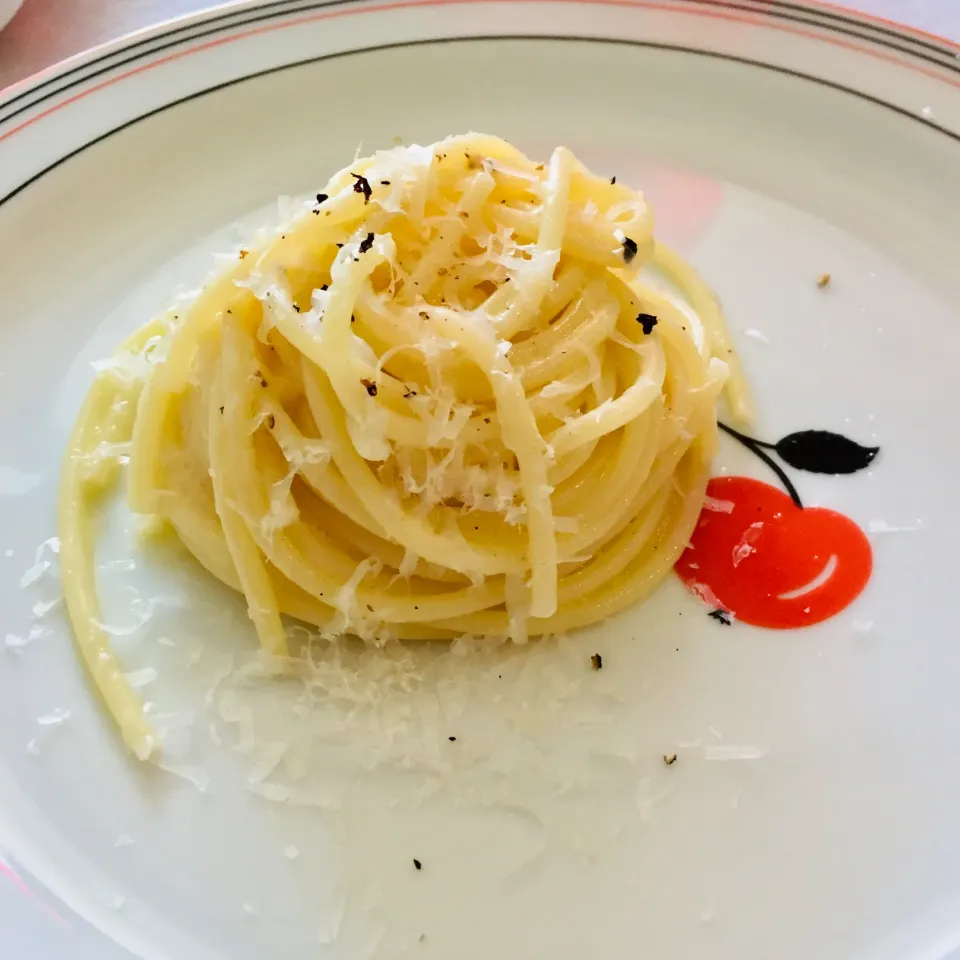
column 54, row 718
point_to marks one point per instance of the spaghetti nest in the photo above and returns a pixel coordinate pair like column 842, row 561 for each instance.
column 438, row 402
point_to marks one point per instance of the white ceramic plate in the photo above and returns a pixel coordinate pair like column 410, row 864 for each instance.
column 812, row 811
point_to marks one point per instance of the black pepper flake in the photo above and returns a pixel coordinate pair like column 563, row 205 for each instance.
column 271, row 421
column 366, row 243
column 263, row 382
column 721, row 616
column 295, row 307
column 384, row 183
column 324, row 286
column 221, row 410
column 629, row 249
column 596, row 661
column 370, row 386
column 353, row 318
column 417, row 863
column 669, row 759
column 362, row 186
column 244, row 254
column 339, row 246
column 648, row 321
column 613, row 180
column 409, row 394
column 321, row 198
column 451, row 739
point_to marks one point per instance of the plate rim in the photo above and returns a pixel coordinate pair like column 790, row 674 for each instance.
column 810, row 20
column 829, row 15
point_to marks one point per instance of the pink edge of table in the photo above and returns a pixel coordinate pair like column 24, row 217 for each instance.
column 43, row 32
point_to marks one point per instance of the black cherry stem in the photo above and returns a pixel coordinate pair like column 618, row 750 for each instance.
column 755, row 447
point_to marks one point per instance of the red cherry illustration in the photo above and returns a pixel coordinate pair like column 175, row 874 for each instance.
column 771, row 563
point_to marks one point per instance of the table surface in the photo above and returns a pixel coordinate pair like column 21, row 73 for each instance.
column 45, row 31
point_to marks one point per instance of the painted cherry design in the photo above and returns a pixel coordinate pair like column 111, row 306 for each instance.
column 758, row 554
column 754, row 552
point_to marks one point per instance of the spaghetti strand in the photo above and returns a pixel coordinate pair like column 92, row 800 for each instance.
column 433, row 404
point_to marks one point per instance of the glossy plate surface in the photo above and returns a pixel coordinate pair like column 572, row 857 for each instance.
column 812, row 810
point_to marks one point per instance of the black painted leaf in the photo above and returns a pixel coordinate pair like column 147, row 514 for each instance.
column 819, row 451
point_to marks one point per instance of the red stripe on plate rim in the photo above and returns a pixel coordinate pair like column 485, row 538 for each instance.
column 761, row 17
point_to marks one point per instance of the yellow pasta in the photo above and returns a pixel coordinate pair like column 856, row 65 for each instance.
column 440, row 401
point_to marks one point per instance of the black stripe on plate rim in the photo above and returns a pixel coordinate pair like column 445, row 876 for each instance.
column 277, row 9
column 440, row 41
